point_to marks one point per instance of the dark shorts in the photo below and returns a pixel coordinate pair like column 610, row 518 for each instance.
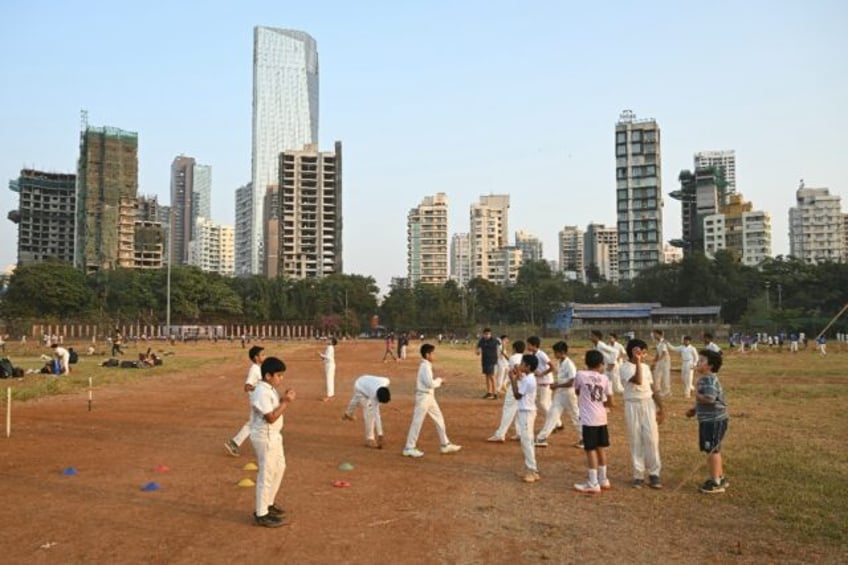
column 710, row 435
column 595, row 437
column 489, row 368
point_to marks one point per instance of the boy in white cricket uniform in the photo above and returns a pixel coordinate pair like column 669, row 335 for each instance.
column 662, row 364
column 254, row 375
column 266, row 435
column 620, row 357
column 564, row 399
column 594, row 393
column 370, row 391
column 329, row 357
column 688, row 360
column 426, row 405
column 523, row 384
column 502, row 377
column 642, row 414
column 610, row 354
column 544, row 375
column 63, row 357
column 510, row 405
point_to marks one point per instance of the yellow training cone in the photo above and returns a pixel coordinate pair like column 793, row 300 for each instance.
column 250, row 467
column 246, row 483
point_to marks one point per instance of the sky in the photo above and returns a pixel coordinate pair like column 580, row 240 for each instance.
column 463, row 97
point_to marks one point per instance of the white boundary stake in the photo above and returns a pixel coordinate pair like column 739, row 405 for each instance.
column 8, row 411
column 89, row 394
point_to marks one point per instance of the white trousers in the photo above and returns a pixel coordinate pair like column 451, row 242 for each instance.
column 510, row 407
column 426, row 405
column 643, row 436
column 244, row 432
column 330, row 378
column 686, row 373
column 525, row 420
column 662, row 373
column 272, row 465
column 543, row 399
column 614, row 375
column 501, row 380
column 564, row 400
column 370, row 412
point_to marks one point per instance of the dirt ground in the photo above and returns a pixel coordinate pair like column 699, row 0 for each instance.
column 467, row 507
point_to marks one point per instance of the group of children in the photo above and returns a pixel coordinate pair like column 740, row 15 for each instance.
column 585, row 396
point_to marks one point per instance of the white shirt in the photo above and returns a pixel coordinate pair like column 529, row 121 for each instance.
column 566, row 372
column 254, row 375
column 426, row 383
column 688, row 353
column 593, row 390
column 713, row 347
column 63, row 357
column 329, row 355
column 609, row 352
column 662, row 352
column 632, row 391
column 544, row 364
column 621, row 355
column 368, row 385
column 264, row 399
column 527, row 389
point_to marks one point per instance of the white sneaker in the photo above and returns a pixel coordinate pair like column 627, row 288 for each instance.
column 586, row 488
column 541, row 443
column 495, row 439
column 413, row 452
column 450, row 448
column 605, row 484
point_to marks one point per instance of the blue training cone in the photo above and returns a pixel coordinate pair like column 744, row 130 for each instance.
column 69, row 472
column 151, row 486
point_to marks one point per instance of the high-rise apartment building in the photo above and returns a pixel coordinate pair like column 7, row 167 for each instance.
column 489, row 223
column 724, row 161
column 530, row 246
column 45, row 216
column 638, row 194
column 504, row 264
column 427, row 241
column 271, row 230
column 285, row 118
column 243, row 228
column 816, row 226
column 460, row 263
column 600, row 253
column 700, row 195
column 739, row 229
column 212, row 249
column 191, row 198
column 310, row 186
column 107, row 187
column 571, row 253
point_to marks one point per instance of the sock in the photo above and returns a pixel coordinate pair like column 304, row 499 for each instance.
column 602, row 473
column 593, row 476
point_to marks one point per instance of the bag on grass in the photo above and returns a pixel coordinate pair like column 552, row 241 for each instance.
column 73, row 356
column 7, row 370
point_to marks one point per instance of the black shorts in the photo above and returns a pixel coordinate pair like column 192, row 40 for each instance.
column 710, row 435
column 489, row 368
column 595, row 437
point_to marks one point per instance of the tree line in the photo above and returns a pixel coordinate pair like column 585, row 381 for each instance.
column 781, row 294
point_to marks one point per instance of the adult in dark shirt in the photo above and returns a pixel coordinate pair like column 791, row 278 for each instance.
column 487, row 349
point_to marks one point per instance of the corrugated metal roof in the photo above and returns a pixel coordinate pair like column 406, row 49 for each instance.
column 687, row 311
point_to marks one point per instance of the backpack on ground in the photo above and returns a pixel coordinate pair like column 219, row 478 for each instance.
column 73, row 356
column 7, row 370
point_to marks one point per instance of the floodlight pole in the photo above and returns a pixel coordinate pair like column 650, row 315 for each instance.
column 168, row 277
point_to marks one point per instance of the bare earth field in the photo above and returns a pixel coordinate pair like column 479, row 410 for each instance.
column 468, row 507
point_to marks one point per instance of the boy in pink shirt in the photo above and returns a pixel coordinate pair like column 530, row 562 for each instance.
column 594, row 396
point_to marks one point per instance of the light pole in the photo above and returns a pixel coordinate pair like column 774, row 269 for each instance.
column 768, row 298
column 168, row 276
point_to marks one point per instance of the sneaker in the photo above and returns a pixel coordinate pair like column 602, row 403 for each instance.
column 232, row 448
column 275, row 510
column 514, row 438
column 579, row 444
column 449, row 448
column 495, row 439
column 586, row 488
column 349, row 417
column 488, row 395
column 654, row 482
column 638, row 483
column 371, row 443
column 710, row 487
column 559, row 428
column 268, row 521
column 541, row 443
column 724, row 482
column 530, row 477
column 413, row 452
column 605, row 484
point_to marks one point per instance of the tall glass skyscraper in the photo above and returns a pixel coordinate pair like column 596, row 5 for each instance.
column 285, row 117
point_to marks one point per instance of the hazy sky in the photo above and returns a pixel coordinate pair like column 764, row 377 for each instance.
column 461, row 97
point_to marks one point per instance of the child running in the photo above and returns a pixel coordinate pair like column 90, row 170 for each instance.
column 594, row 393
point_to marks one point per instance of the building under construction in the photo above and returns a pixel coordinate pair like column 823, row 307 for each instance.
column 107, row 187
column 45, row 216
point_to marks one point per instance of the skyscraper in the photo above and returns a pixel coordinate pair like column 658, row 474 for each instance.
column 427, row 241
column 724, row 161
column 638, row 194
column 243, row 228
column 530, row 246
column 45, row 216
column 285, row 118
column 700, row 196
column 816, row 228
column 182, row 191
column 310, row 218
column 107, row 188
column 489, row 233
column 740, row 229
column 460, row 264
column 600, row 253
column 571, row 253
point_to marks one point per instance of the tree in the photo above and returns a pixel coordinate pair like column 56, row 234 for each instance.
column 49, row 290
